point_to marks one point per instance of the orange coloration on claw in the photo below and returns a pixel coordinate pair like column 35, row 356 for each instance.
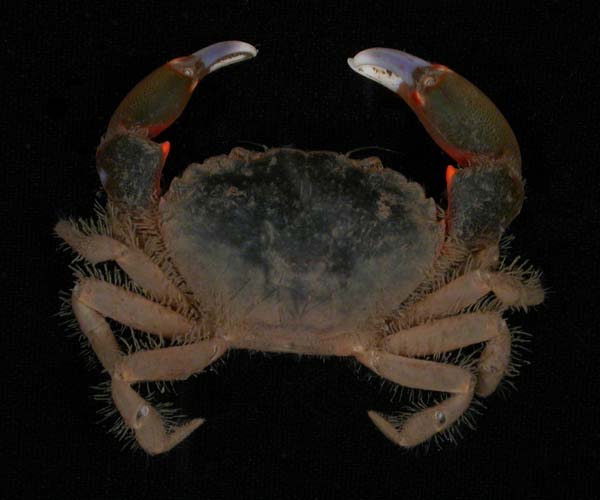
column 418, row 98
column 165, row 147
column 450, row 172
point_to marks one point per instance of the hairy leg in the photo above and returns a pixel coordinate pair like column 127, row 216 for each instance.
column 131, row 309
column 452, row 333
column 421, row 374
column 446, row 334
column 467, row 289
column 96, row 248
column 93, row 301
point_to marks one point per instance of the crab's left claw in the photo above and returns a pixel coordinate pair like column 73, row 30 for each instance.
column 486, row 196
column 128, row 162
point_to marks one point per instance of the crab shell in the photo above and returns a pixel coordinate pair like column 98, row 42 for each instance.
column 299, row 242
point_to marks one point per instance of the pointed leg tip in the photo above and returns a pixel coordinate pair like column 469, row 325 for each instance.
column 386, row 427
column 195, row 423
column 155, row 440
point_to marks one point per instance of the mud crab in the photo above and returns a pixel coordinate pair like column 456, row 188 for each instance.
column 304, row 252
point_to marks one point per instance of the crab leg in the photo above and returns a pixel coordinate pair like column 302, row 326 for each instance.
column 416, row 373
column 472, row 286
column 421, row 374
column 131, row 309
column 440, row 336
column 92, row 301
column 137, row 413
column 129, row 163
column 170, row 363
column 448, row 334
column 445, row 334
column 485, row 197
column 98, row 332
column 96, row 248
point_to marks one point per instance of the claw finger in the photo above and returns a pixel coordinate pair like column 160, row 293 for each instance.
column 388, row 67
column 223, row 54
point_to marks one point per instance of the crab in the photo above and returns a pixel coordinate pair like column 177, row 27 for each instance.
column 311, row 253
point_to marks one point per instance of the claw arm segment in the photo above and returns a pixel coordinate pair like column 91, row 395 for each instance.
column 130, row 167
column 468, row 127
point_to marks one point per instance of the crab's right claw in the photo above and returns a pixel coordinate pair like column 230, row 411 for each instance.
column 158, row 100
column 488, row 195
column 129, row 164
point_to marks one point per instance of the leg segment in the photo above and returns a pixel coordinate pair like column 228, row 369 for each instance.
column 417, row 373
column 130, row 309
column 98, row 332
column 493, row 363
column 472, row 286
column 421, row 374
column 423, row 425
column 445, row 334
column 169, row 363
column 146, row 422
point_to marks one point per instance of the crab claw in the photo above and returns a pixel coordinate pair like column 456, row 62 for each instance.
column 486, row 197
column 158, row 100
column 129, row 164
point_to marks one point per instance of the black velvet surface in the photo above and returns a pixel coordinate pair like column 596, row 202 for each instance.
column 279, row 426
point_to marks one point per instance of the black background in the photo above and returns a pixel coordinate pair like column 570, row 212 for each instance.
column 278, row 427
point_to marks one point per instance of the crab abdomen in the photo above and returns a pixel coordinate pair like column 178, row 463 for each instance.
column 299, row 241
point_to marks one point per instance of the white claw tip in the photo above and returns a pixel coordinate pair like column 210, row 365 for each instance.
column 388, row 67
column 223, row 54
column 377, row 74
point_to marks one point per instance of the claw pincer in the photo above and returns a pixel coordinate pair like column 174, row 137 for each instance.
column 129, row 163
column 485, row 197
